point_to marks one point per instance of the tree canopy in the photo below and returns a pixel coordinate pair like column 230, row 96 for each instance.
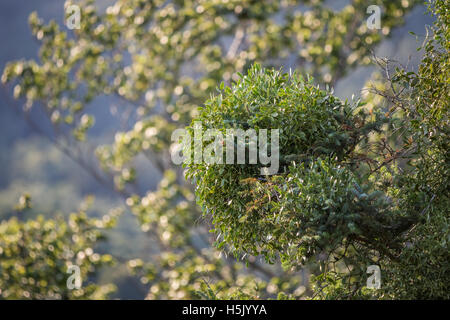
column 360, row 182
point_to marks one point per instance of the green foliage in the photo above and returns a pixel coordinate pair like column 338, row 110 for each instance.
column 423, row 270
column 326, row 205
column 419, row 101
column 168, row 217
column 187, row 275
column 35, row 256
column 161, row 60
column 317, row 205
column 303, row 202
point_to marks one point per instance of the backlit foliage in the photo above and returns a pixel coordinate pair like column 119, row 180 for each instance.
column 159, row 61
column 35, row 256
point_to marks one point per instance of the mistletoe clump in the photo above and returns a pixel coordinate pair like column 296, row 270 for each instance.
column 315, row 201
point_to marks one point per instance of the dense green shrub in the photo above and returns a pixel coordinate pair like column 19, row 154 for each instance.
column 315, row 201
column 356, row 186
